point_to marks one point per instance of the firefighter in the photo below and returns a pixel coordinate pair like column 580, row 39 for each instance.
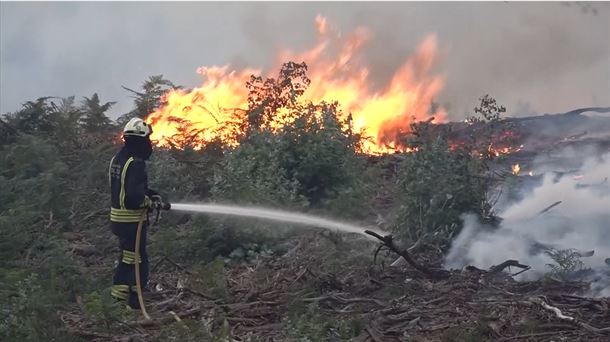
column 130, row 200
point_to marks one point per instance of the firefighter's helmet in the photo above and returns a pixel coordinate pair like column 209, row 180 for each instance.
column 137, row 127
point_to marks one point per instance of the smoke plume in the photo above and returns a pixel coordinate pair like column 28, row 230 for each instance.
column 532, row 57
column 580, row 222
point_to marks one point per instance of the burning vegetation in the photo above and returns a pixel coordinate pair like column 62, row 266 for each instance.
column 462, row 200
column 335, row 74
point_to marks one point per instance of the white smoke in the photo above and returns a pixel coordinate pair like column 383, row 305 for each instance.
column 581, row 221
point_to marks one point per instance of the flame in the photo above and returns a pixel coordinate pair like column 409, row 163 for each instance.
column 516, row 169
column 498, row 151
column 337, row 73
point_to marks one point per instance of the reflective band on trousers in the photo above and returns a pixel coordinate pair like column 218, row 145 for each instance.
column 129, row 257
column 120, row 291
column 126, row 215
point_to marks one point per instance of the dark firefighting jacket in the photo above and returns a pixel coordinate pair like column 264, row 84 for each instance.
column 129, row 193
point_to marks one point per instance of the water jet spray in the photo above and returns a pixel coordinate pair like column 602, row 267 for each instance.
column 274, row 215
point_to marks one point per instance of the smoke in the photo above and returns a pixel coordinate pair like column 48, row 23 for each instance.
column 581, row 222
column 534, row 57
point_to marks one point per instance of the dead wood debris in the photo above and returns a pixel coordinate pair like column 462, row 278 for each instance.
column 388, row 241
column 394, row 304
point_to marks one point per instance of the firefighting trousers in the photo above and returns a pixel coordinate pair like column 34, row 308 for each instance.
column 124, row 279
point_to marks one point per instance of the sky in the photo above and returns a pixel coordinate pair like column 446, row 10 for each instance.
column 531, row 57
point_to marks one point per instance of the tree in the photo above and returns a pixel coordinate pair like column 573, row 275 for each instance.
column 149, row 99
column 437, row 184
column 266, row 98
column 488, row 109
column 70, row 116
column 289, row 151
column 94, row 118
column 490, row 131
column 38, row 116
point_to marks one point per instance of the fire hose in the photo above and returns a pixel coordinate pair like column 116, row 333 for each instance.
column 157, row 205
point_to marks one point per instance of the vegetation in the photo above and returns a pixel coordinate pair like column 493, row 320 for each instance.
column 566, row 262
column 53, row 204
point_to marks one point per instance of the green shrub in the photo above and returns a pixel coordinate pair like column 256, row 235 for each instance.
column 435, row 187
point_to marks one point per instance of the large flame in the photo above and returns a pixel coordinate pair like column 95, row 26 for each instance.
column 337, row 73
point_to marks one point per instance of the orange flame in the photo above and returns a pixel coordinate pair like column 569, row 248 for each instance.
column 337, row 74
column 516, row 169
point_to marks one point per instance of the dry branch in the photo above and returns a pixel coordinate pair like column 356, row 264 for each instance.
column 529, row 336
column 169, row 319
column 373, row 333
column 562, row 316
column 508, row 263
column 549, row 207
column 389, row 243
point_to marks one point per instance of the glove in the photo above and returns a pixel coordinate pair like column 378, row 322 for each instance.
column 156, row 199
column 148, row 204
column 151, row 202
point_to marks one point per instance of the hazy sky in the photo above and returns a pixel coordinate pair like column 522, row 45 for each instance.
column 543, row 57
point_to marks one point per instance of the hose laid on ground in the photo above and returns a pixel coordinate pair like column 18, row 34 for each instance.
column 138, row 280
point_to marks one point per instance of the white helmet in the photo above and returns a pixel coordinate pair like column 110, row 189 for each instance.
column 137, row 127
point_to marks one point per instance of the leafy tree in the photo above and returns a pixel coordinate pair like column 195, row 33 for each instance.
column 320, row 151
column 490, row 132
column 437, row 184
column 488, row 109
column 290, row 150
column 149, row 99
column 253, row 173
column 59, row 121
column 268, row 99
column 36, row 117
column 33, row 208
column 7, row 132
column 94, row 118
column 69, row 117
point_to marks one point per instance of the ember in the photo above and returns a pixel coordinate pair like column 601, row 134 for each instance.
column 516, row 169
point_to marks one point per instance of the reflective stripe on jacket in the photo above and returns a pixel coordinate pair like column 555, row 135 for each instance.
column 128, row 187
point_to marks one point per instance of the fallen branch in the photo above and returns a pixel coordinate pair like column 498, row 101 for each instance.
column 508, row 263
column 560, row 315
column 172, row 262
column 389, row 243
column 549, row 207
column 265, row 327
column 373, row 333
column 88, row 334
column 169, row 319
column 343, row 300
column 528, row 336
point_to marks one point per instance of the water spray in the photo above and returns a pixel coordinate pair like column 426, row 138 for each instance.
column 261, row 213
column 274, row 215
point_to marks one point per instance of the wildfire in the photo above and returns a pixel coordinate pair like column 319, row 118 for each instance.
column 337, row 73
column 516, row 169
